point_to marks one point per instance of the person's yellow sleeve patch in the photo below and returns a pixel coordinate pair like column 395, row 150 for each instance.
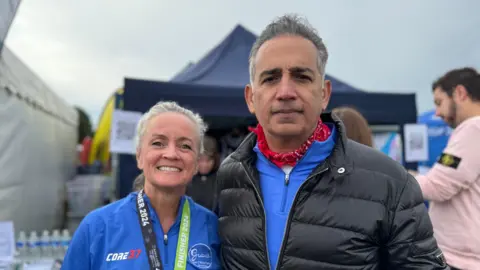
column 449, row 160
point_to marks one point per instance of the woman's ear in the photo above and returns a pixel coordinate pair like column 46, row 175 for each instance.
column 139, row 160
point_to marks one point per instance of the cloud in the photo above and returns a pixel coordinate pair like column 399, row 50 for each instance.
column 84, row 49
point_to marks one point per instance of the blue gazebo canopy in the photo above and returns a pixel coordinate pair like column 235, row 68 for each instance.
column 227, row 64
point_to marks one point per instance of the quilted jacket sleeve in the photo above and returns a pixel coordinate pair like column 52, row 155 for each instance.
column 411, row 244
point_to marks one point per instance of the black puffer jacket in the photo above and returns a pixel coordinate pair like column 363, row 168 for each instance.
column 358, row 210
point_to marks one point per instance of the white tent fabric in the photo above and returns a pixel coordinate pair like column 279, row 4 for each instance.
column 38, row 135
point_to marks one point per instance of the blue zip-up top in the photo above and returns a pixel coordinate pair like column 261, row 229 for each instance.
column 110, row 238
column 279, row 187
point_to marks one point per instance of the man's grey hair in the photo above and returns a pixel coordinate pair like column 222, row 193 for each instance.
column 165, row 107
column 293, row 25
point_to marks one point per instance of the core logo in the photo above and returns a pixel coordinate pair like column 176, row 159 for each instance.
column 129, row 255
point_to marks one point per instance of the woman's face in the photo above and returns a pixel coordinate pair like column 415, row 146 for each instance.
column 205, row 164
column 168, row 151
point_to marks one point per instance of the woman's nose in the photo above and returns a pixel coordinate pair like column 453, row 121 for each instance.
column 170, row 152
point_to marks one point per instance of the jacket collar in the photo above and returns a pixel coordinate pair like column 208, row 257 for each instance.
column 338, row 161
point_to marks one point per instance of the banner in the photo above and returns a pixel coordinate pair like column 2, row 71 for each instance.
column 7, row 241
column 416, row 142
column 122, row 135
column 8, row 9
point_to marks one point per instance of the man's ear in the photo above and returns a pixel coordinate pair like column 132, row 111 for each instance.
column 326, row 93
column 460, row 93
column 249, row 98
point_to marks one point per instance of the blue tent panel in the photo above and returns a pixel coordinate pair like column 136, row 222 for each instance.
column 127, row 172
column 379, row 108
column 227, row 64
column 209, row 101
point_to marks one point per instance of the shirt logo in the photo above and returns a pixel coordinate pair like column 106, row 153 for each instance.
column 449, row 160
column 200, row 255
column 121, row 256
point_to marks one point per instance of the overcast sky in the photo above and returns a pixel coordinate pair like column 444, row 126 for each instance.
column 83, row 49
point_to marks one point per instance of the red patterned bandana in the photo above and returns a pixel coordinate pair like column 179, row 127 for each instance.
column 321, row 133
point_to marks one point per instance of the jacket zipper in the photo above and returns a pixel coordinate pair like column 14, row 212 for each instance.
column 287, row 225
column 285, row 190
column 165, row 242
column 264, row 215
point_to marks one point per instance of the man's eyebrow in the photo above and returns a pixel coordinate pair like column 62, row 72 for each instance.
column 272, row 71
column 301, row 70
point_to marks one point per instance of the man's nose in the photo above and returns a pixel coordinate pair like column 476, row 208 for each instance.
column 286, row 89
column 437, row 112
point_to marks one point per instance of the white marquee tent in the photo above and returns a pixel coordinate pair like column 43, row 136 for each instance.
column 38, row 136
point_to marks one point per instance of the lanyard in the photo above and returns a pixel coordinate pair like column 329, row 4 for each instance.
column 150, row 239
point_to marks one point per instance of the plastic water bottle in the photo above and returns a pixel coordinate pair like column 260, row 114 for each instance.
column 56, row 245
column 22, row 251
column 46, row 245
column 65, row 241
column 33, row 243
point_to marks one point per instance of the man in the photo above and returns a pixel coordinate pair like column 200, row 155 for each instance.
column 297, row 194
column 453, row 183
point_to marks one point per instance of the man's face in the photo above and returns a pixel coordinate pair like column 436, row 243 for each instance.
column 288, row 92
column 445, row 107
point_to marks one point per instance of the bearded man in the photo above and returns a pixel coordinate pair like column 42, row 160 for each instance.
column 453, row 184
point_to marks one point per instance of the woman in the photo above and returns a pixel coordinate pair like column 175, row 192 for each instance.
column 202, row 188
column 355, row 124
column 158, row 227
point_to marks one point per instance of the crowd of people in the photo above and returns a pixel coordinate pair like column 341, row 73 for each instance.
column 299, row 191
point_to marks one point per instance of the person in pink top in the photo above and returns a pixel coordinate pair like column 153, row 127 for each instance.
column 453, row 184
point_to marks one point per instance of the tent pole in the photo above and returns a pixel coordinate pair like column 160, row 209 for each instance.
column 118, row 105
column 114, row 191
